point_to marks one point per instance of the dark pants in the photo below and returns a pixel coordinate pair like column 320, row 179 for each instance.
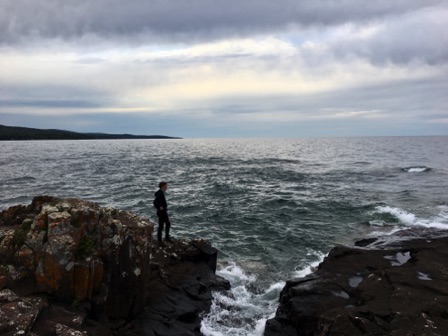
column 163, row 219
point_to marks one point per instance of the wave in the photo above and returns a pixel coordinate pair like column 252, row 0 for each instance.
column 245, row 308
column 242, row 310
column 300, row 273
column 406, row 218
column 19, row 180
column 416, row 169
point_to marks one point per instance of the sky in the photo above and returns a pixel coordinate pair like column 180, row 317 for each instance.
column 226, row 69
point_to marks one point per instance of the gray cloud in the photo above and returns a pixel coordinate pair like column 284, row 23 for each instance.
column 56, row 103
column 421, row 37
column 168, row 21
column 402, row 107
column 26, row 99
column 325, row 67
column 410, row 101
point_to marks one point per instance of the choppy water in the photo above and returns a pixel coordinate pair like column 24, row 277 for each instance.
column 273, row 207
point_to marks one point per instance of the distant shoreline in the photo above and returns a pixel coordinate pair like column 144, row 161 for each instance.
column 14, row 133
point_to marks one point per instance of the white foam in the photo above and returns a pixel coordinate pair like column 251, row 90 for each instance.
column 300, row 273
column 403, row 216
column 208, row 331
column 234, row 273
column 240, row 311
column 383, row 233
column 439, row 221
column 275, row 287
column 261, row 325
column 378, row 222
column 416, row 169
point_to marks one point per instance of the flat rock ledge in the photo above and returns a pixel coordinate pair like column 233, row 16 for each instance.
column 71, row 267
column 396, row 285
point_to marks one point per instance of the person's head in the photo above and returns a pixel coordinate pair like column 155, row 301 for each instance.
column 163, row 186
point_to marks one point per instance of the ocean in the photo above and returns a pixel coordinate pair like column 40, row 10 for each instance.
column 272, row 207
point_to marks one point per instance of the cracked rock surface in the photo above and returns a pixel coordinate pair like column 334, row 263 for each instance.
column 397, row 286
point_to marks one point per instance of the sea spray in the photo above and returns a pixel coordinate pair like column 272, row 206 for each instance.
column 302, row 272
column 245, row 308
column 241, row 310
column 406, row 218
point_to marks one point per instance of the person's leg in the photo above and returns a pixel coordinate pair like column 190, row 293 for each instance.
column 167, row 228
column 160, row 228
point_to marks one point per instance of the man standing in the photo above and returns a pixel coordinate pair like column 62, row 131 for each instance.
column 162, row 212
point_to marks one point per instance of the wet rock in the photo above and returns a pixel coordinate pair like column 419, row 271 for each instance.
column 396, row 287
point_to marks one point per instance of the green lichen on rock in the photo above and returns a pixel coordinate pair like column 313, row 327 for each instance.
column 26, row 224
column 5, row 271
column 86, row 248
column 19, row 236
column 18, row 239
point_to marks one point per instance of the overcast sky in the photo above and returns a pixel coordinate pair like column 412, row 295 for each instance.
column 234, row 68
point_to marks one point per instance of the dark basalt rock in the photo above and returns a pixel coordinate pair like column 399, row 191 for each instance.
column 183, row 276
column 396, row 285
column 71, row 267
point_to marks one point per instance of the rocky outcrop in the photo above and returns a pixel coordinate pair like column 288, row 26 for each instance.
column 71, row 267
column 182, row 279
column 395, row 286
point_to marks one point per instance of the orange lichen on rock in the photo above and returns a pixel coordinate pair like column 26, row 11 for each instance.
column 66, row 244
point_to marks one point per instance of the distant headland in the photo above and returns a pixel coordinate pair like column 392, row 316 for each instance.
column 25, row 133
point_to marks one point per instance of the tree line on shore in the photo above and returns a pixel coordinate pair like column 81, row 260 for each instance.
column 24, row 133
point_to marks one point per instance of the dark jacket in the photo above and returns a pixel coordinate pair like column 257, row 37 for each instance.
column 160, row 200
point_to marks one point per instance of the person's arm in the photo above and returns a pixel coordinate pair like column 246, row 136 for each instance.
column 158, row 202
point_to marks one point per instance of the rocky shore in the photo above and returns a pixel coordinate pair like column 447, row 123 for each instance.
column 396, row 285
column 71, row 267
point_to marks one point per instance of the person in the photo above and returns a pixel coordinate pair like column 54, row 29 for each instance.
column 162, row 212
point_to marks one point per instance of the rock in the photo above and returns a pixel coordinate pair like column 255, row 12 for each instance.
column 398, row 285
column 67, row 320
column 17, row 315
column 180, row 290
column 63, row 330
column 71, row 267
column 72, row 248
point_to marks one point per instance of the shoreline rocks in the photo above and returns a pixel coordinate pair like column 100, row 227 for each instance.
column 179, row 292
column 71, row 267
column 395, row 285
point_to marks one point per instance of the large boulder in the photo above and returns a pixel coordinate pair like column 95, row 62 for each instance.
column 397, row 286
column 76, row 250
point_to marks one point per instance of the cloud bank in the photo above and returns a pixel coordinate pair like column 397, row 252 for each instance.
column 175, row 20
column 285, row 68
